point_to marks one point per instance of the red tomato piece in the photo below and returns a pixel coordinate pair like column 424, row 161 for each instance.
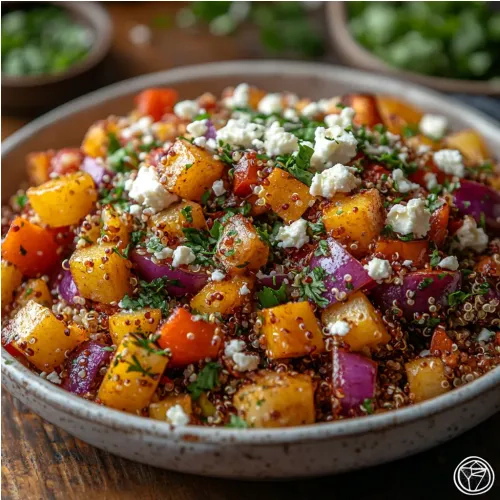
column 156, row 102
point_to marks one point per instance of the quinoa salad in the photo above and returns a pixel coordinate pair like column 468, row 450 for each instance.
column 257, row 259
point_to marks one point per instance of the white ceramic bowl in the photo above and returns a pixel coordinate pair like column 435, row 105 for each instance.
column 256, row 453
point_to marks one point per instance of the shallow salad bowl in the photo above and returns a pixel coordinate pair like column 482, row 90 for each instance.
column 245, row 453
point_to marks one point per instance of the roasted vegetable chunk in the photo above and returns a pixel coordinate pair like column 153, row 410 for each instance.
column 397, row 115
column 291, row 331
column 356, row 221
column 38, row 167
column 177, row 217
column 240, row 248
column 100, row 273
column 42, row 338
column 141, row 322
column 159, row 410
column 133, row 375
column 11, row 279
column 115, row 228
column 426, row 378
column 286, row 195
column 366, row 328
column 470, row 144
column 36, row 290
column 65, row 200
column 190, row 171
column 276, row 400
column 416, row 251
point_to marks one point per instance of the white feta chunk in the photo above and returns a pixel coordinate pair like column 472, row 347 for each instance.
column 412, row 218
column 244, row 290
column 343, row 119
column 290, row 114
column 293, row 236
column 240, row 133
column 401, row 183
column 54, row 378
column 183, row 256
column 337, row 179
column 431, row 181
column 187, row 110
column 332, row 145
column 164, row 253
column 243, row 362
column 278, row 142
column 198, row 128
column 378, row 269
column 218, row 187
column 471, row 236
column 240, row 97
column 201, row 142
column 484, row 335
column 270, row 104
column 177, row 416
column 311, row 110
column 450, row 263
column 450, row 162
column 340, row 328
column 433, row 126
column 217, row 275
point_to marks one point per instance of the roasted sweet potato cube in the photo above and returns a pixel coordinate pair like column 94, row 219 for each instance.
column 96, row 140
column 397, row 114
column 286, row 195
column 366, row 327
column 38, row 167
column 276, row 400
column 190, row 170
column 470, row 144
column 356, row 221
column 176, row 217
column 143, row 321
column 100, row 273
column 133, row 376
column 487, row 265
column 416, row 251
column 115, row 227
column 223, row 296
column 36, row 290
column 42, row 338
column 11, row 280
column 365, row 106
column 159, row 410
column 291, row 330
column 63, row 201
column 240, row 248
column 426, row 378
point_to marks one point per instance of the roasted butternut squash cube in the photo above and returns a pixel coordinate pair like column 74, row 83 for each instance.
column 63, row 201
column 416, row 251
column 286, row 195
column 179, row 216
column 159, row 410
column 276, row 400
column 240, row 248
column 190, row 170
column 487, row 265
column 356, row 221
column 42, row 338
column 143, row 322
column 291, row 330
column 470, row 144
column 365, row 106
column 96, row 140
column 38, row 167
column 11, row 280
column 366, row 326
column 90, row 229
column 133, row 375
column 397, row 114
column 100, row 273
column 223, row 296
column 426, row 378
column 115, row 227
column 36, row 290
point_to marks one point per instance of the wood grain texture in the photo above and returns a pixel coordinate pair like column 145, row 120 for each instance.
column 40, row 461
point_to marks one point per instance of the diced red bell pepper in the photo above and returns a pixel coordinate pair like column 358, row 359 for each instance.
column 66, row 161
column 439, row 225
column 156, row 102
column 245, row 174
column 442, row 345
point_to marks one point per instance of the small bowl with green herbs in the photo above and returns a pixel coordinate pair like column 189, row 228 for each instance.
column 451, row 46
column 50, row 51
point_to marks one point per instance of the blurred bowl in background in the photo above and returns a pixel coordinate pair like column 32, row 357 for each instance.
column 32, row 94
column 353, row 54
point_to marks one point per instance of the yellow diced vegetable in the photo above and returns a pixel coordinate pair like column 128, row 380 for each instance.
column 291, row 331
column 190, row 170
column 276, row 400
column 133, row 375
column 63, row 201
column 426, row 378
column 179, row 216
column 11, row 280
column 366, row 326
column 115, row 227
column 144, row 321
column 42, row 338
column 240, row 248
column 286, row 195
column 36, row 290
column 100, row 273
column 96, row 140
column 38, row 165
column 470, row 144
column 223, row 296
column 158, row 410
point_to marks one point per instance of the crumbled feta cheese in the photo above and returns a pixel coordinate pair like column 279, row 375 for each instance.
column 243, row 362
column 140, row 34
column 278, row 142
column 337, row 179
column 135, row 209
column 422, row 149
column 450, row 162
column 484, row 335
column 211, row 144
column 311, row 110
column 177, row 416
column 218, row 187
column 201, row 142
column 433, row 126
column 378, row 269
column 183, row 256
column 450, row 263
column 240, row 133
column 197, row 128
column 240, row 97
column 269, row 104
column 164, row 253
column 431, row 180
column 332, row 145
column 140, row 127
column 217, row 275
column 54, row 378
column 471, row 236
column 147, row 190
column 340, row 328
column 343, row 119
column 290, row 114
column 244, row 290
column 401, row 183
column 294, row 235
column 412, row 218
column 424, row 353
column 186, row 110
column 407, row 263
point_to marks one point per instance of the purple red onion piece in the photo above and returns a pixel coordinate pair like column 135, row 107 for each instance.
column 475, row 199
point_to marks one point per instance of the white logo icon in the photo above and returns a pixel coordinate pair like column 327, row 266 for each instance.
column 474, row 476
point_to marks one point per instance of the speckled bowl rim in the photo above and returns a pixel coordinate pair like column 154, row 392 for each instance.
column 80, row 408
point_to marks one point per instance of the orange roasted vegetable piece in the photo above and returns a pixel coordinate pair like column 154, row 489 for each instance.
column 439, row 225
column 158, row 410
column 416, row 251
column 30, row 248
column 189, row 341
column 11, row 280
column 38, row 167
column 426, row 378
column 156, row 102
column 396, row 114
column 245, row 174
column 489, row 265
column 365, row 106
column 470, row 144
column 442, row 345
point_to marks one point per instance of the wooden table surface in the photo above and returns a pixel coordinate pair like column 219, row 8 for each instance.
column 40, row 461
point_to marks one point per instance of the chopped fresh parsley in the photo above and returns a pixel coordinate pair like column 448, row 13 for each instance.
column 317, row 228
column 435, row 258
column 268, row 297
column 236, row 422
column 153, row 295
column 410, row 130
column 298, row 165
column 207, row 379
column 187, row 212
column 459, row 297
column 368, row 405
column 113, row 143
column 311, row 286
column 149, row 344
column 21, row 200
column 136, row 237
column 426, row 282
column 136, row 366
column 322, row 249
column 202, row 243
